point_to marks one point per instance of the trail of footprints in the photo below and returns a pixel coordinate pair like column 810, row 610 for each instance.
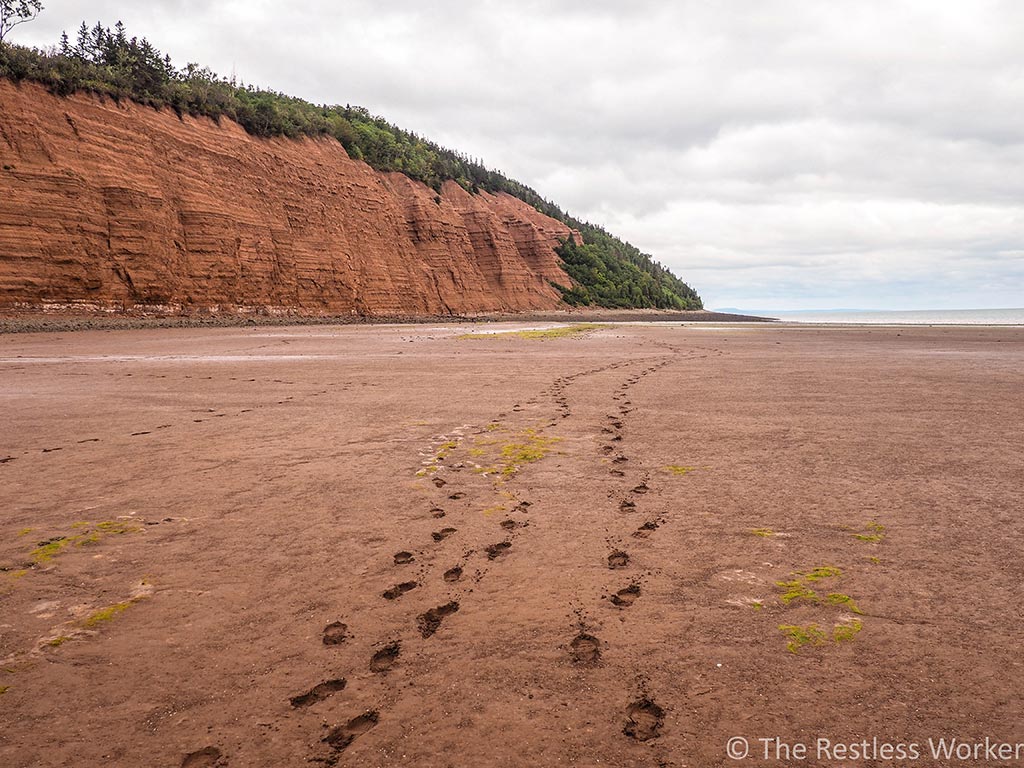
column 200, row 415
column 427, row 623
column 643, row 717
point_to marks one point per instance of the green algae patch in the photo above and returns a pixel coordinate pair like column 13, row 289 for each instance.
column 89, row 625
column 88, row 533
column 679, row 470
column 822, row 572
column 874, row 533
column 113, row 527
column 795, row 590
column 560, row 332
column 496, row 452
column 799, row 636
column 504, row 455
column 801, row 588
column 45, row 551
column 838, row 598
column 516, row 455
column 109, row 613
column 445, row 448
column 845, row 632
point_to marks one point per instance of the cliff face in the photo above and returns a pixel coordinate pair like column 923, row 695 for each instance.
column 109, row 205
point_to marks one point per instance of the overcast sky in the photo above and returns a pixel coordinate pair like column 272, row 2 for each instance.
column 781, row 155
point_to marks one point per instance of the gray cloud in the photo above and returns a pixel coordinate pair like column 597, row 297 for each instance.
column 786, row 153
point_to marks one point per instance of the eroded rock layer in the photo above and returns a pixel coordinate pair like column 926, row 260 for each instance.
column 116, row 205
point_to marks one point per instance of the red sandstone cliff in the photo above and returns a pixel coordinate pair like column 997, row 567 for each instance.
column 109, row 205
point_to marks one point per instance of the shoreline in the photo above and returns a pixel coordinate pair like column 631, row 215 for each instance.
column 66, row 323
column 60, row 321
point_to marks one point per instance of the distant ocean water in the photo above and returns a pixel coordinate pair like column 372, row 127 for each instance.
column 905, row 317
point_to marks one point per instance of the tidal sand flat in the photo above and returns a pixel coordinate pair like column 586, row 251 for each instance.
column 593, row 545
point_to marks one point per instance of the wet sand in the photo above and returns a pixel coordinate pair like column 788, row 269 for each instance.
column 72, row 318
column 392, row 546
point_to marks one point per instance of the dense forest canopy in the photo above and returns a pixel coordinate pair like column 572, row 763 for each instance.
column 606, row 271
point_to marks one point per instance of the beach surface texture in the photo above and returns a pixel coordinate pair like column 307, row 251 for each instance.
column 507, row 544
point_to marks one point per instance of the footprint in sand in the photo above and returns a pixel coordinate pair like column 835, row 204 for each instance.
column 385, row 658
column 341, row 736
column 585, row 650
column 393, row 593
column 626, row 597
column 644, row 719
column 618, row 559
column 443, row 534
column 335, row 633
column 453, row 574
column 645, row 530
column 318, row 693
column 494, row 551
column 428, row 623
column 207, row 757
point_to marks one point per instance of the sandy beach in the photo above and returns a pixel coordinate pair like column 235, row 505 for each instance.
column 432, row 545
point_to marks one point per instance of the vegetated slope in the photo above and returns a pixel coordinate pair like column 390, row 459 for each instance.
column 599, row 270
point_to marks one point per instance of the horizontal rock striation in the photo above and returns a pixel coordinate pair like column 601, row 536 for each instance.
column 119, row 206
